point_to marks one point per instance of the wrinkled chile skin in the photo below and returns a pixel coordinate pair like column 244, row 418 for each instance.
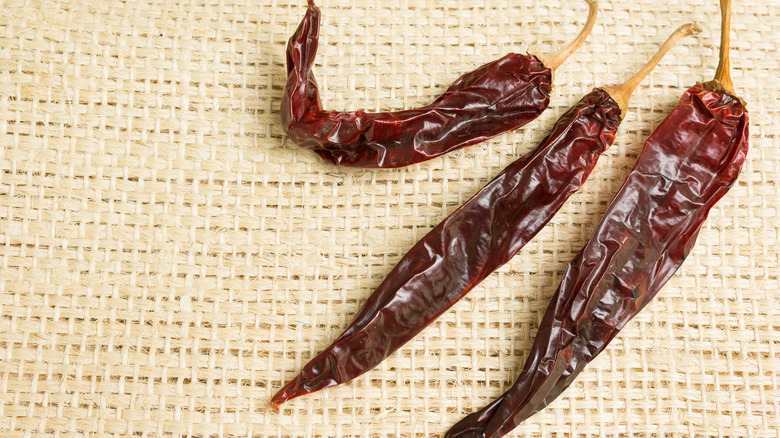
column 686, row 166
column 497, row 97
column 481, row 235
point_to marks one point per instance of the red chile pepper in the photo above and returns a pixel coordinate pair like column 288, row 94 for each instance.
column 497, row 97
column 477, row 238
column 649, row 228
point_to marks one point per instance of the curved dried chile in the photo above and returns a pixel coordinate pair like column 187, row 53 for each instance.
column 481, row 235
column 649, row 228
column 495, row 98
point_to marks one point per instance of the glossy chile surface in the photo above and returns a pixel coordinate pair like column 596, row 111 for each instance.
column 483, row 234
column 496, row 97
column 649, row 228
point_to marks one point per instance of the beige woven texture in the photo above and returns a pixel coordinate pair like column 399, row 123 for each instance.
column 168, row 258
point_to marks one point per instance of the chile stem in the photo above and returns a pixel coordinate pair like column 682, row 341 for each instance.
column 556, row 59
column 722, row 82
column 722, row 74
column 621, row 94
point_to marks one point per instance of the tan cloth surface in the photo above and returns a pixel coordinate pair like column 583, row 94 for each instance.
column 168, row 258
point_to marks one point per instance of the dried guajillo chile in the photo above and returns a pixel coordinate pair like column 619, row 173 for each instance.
column 649, row 228
column 496, row 97
column 481, row 235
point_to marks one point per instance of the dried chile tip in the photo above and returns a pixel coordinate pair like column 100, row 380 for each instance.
column 312, row 5
column 288, row 391
column 277, row 401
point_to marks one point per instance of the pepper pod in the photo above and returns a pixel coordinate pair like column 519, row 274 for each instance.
column 481, row 235
column 646, row 233
column 495, row 98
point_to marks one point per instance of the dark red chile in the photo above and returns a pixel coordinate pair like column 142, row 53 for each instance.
column 649, row 228
column 483, row 234
column 495, row 98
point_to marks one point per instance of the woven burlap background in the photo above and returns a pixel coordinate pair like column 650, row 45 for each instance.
column 168, row 258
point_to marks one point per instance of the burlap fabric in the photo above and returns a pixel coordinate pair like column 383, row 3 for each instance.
column 168, row 258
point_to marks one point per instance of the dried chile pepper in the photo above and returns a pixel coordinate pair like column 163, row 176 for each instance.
column 481, row 235
column 649, row 228
column 495, row 98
